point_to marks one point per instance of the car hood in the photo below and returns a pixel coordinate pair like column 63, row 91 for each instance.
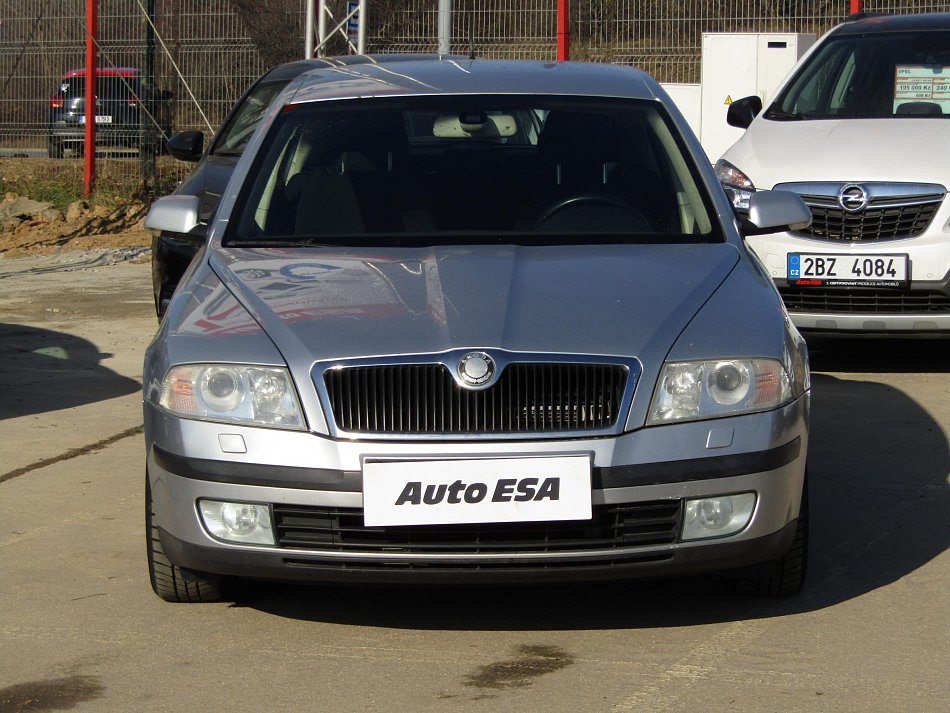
column 321, row 304
column 905, row 150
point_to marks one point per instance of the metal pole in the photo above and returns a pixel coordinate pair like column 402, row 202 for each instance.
column 445, row 27
column 308, row 32
column 857, row 6
column 149, row 107
column 92, row 32
column 364, row 21
column 321, row 27
column 563, row 31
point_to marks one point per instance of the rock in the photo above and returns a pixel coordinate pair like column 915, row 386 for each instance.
column 50, row 215
column 21, row 208
column 74, row 211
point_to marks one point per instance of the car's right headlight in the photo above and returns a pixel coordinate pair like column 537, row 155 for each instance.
column 736, row 184
column 232, row 393
column 694, row 390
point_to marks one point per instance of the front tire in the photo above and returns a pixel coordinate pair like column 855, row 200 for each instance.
column 784, row 576
column 169, row 581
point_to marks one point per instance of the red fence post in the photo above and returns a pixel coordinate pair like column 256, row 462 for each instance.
column 563, row 31
column 856, row 6
column 92, row 74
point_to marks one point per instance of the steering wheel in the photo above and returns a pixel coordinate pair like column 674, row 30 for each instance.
column 630, row 214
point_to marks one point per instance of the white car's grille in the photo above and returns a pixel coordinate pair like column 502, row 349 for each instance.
column 867, row 212
column 830, row 222
column 864, row 301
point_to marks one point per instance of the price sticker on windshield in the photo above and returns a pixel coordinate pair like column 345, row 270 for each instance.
column 836, row 270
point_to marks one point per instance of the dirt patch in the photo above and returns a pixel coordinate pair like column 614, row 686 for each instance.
column 81, row 226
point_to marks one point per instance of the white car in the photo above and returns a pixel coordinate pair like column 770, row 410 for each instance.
column 860, row 131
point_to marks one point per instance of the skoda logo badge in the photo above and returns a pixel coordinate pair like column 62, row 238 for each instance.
column 853, row 198
column 476, row 368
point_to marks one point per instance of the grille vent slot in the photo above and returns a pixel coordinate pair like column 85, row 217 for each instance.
column 526, row 398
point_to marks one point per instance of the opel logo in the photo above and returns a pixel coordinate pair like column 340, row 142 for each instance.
column 476, row 368
column 853, row 198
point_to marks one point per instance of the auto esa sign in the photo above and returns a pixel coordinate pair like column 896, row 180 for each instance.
column 443, row 492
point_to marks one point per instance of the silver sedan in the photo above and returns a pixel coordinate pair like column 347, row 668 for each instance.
column 474, row 322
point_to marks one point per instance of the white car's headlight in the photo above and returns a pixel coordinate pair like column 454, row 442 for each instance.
column 232, row 393
column 693, row 390
column 736, row 184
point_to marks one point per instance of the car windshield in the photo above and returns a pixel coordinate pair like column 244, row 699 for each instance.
column 878, row 75
column 234, row 136
column 454, row 169
column 107, row 87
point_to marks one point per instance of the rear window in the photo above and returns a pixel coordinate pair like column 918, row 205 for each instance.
column 878, row 75
column 110, row 87
column 461, row 169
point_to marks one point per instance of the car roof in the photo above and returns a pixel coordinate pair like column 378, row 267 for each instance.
column 474, row 76
column 874, row 24
column 129, row 72
column 289, row 70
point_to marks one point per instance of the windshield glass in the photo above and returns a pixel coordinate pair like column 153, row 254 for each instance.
column 456, row 169
column 872, row 76
column 107, row 87
column 234, row 136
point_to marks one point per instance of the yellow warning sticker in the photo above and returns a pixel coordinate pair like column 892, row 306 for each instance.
column 728, row 99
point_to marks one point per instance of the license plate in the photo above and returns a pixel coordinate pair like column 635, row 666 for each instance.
column 837, row 270
column 445, row 492
column 100, row 119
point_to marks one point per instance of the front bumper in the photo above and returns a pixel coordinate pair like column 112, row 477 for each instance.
column 922, row 307
column 106, row 134
column 322, row 478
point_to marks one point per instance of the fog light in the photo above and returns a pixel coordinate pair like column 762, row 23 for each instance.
column 717, row 517
column 237, row 522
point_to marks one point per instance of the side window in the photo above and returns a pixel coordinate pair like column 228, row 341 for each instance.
column 824, row 85
column 842, row 88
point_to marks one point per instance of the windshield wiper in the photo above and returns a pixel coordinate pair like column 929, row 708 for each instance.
column 784, row 115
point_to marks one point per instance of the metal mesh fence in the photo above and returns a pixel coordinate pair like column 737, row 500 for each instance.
column 207, row 52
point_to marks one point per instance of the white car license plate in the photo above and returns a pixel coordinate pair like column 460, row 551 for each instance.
column 441, row 492
column 100, row 119
column 848, row 270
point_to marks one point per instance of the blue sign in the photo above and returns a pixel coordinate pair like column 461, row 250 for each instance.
column 353, row 24
column 794, row 267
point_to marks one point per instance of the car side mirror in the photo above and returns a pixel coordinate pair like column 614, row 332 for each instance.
column 187, row 145
column 173, row 214
column 742, row 111
column 775, row 211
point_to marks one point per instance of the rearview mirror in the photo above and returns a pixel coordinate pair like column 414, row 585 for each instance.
column 173, row 214
column 742, row 111
column 775, row 211
column 187, row 145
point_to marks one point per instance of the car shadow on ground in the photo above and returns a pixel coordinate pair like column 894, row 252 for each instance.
column 880, row 509
column 44, row 370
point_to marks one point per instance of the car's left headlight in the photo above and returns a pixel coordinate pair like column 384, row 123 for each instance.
column 737, row 185
column 232, row 393
column 693, row 390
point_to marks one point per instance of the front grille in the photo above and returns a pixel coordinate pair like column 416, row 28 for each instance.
column 612, row 526
column 864, row 301
column 890, row 222
column 527, row 398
